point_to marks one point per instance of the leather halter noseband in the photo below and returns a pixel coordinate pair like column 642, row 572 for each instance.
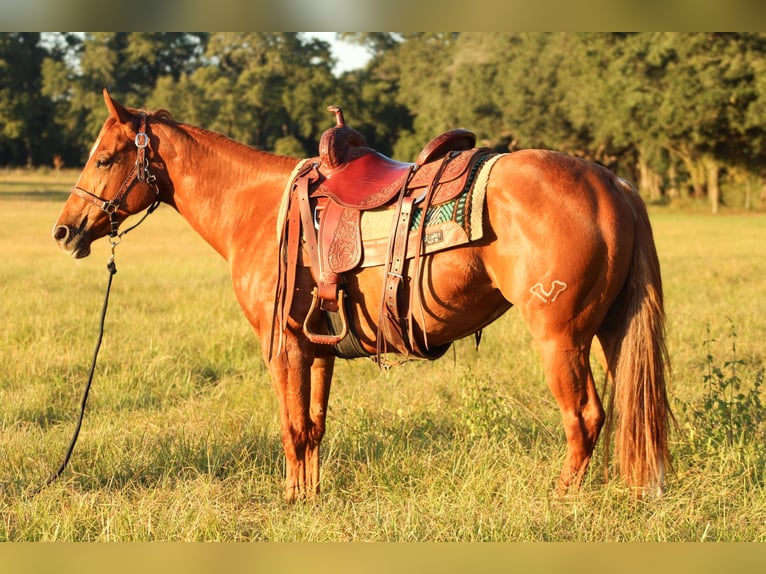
column 140, row 173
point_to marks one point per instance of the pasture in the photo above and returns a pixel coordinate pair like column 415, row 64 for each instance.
column 181, row 437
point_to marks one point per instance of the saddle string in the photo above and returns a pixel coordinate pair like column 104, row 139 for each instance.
column 416, row 303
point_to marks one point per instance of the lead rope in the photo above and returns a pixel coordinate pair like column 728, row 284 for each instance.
column 114, row 240
column 112, row 268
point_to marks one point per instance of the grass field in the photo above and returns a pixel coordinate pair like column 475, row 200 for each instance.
column 181, row 441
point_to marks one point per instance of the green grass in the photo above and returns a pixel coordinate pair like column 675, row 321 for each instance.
column 180, row 440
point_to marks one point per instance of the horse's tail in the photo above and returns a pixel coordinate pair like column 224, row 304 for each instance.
column 639, row 363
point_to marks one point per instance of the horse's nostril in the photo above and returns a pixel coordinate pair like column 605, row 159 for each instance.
column 61, row 233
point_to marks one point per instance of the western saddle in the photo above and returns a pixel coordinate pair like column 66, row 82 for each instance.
column 322, row 230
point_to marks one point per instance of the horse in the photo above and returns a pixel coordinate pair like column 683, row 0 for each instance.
column 566, row 241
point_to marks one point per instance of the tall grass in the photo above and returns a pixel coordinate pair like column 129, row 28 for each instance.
column 180, row 440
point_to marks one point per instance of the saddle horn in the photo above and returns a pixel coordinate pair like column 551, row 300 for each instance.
column 338, row 143
column 339, row 121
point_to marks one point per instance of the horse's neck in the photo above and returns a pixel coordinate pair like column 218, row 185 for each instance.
column 220, row 186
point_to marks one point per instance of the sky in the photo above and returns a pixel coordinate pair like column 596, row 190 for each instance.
column 350, row 56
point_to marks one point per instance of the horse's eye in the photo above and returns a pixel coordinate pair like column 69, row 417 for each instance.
column 102, row 163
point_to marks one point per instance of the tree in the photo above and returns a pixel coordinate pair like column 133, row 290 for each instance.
column 79, row 67
column 370, row 96
column 268, row 90
column 419, row 62
column 470, row 101
column 610, row 99
column 672, row 111
column 24, row 114
column 530, row 94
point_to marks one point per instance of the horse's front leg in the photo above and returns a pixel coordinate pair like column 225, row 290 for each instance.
column 290, row 375
column 302, row 384
column 321, row 378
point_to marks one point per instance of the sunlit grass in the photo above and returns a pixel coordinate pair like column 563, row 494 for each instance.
column 181, row 437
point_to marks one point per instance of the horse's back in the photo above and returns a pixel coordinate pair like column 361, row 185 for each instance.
column 548, row 180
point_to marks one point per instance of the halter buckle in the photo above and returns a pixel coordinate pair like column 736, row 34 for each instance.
column 110, row 207
column 142, row 140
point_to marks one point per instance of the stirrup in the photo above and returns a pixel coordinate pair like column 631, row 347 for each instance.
column 319, row 338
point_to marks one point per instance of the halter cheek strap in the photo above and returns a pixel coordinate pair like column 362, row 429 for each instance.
column 140, row 173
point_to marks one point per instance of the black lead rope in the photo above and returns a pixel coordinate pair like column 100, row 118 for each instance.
column 112, row 268
column 114, row 239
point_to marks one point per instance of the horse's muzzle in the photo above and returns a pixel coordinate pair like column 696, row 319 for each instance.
column 71, row 241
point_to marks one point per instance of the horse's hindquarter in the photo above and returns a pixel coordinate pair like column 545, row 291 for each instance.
column 561, row 237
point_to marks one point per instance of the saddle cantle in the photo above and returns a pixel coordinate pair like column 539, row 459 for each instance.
column 327, row 200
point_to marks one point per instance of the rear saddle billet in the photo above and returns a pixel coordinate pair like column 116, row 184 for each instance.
column 322, row 230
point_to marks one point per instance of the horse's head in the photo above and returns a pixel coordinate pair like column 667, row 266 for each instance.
column 116, row 182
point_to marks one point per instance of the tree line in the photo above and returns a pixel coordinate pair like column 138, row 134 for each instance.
column 680, row 114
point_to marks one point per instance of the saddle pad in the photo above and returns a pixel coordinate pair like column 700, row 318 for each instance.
column 285, row 202
column 449, row 224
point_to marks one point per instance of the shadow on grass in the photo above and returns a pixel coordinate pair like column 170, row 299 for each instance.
column 369, row 438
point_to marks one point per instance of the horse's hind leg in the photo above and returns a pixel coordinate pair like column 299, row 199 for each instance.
column 569, row 377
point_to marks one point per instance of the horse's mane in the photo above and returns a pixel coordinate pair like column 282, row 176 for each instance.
column 162, row 115
column 215, row 138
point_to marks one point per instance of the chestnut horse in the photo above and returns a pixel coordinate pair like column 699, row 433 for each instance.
column 565, row 241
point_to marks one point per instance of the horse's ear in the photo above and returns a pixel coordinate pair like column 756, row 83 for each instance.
column 121, row 114
column 116, row 109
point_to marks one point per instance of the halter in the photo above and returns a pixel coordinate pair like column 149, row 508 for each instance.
column 140, row 173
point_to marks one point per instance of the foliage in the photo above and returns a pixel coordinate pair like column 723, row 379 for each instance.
column 23, row 111
column 678, row 113
column 727, row 418
column 258, row 87
column 484, row 413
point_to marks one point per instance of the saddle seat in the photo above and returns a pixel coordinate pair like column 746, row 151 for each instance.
column 357, row 184
column 358, row 177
